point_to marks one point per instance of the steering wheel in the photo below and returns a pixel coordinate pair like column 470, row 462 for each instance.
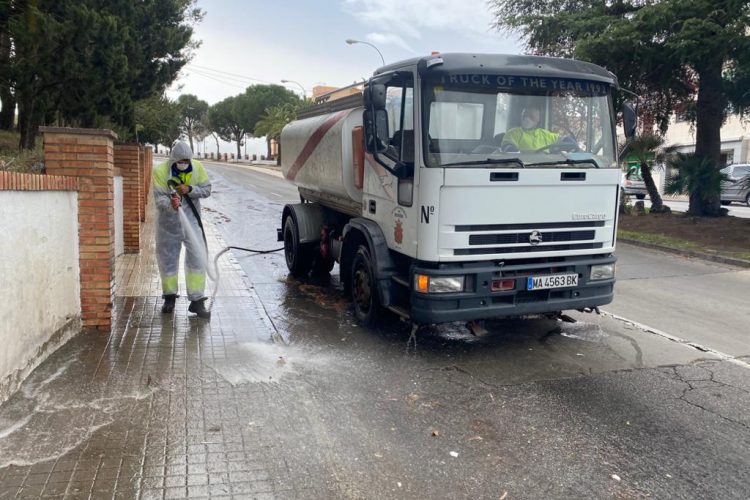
column 560, row 146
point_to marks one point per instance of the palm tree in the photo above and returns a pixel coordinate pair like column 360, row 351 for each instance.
column 698, row 177
column 646, row 147
column 274, row 120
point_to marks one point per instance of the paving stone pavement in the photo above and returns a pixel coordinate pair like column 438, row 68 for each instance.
column 160, row 407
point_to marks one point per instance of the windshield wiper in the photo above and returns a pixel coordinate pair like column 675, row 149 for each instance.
column 488, row 161
column 564, row 162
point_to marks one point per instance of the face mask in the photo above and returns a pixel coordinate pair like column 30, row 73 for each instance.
column 527, row 123
column 182, row 166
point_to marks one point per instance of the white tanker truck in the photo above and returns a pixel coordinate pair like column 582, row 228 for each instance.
column 440, row 206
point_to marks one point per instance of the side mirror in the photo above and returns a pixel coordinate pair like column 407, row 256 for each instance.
column 374, row 96
column 629, row 120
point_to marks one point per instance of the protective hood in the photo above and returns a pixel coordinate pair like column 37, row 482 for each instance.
column 180, row 151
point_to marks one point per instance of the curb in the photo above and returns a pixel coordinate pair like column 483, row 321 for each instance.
column 688, row 253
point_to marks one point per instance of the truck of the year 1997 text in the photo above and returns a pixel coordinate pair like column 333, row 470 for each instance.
column 416, row 187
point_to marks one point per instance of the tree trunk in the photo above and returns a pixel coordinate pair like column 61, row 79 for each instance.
column 268, row 147
column 190, row 138
column 657, row 205
column 8, row 112
column 239, row 148
column 711, row 109
column 28, row 124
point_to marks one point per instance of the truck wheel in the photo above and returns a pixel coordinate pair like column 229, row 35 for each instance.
column 364, row 288
column 299, row 256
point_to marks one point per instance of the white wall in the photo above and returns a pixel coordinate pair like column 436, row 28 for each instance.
column 40, row 307
column 119, row 227
column 735, row 138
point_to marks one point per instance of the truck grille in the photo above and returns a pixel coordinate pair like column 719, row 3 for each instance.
column 528, row 249
column 515, row 238
column 503, row 239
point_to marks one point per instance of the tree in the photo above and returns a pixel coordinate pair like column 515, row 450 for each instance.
column 193, row 114
column 157, row 120
column 675, row 53
column 7, row 99
column 228, row 118
column 273, row 121
column 85, row 62
column 259, row 98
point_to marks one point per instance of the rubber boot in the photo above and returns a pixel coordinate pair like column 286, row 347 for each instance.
column 168, row 306
column 198, row 307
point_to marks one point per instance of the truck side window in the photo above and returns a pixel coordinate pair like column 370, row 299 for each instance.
column 400, row 106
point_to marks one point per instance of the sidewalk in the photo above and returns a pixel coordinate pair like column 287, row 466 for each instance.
column 162, row 407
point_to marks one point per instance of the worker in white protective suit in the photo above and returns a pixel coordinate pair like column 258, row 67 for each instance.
column 179, row 183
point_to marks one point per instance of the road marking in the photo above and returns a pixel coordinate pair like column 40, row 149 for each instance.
column 669, row 336
column 276, row 195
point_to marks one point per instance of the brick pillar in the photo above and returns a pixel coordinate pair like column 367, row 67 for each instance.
column 89, row 155
column 127, row 160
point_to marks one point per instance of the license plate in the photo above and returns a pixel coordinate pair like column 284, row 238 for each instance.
column 552, row 281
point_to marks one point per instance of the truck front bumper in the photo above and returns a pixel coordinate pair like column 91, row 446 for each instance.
column 478, row 301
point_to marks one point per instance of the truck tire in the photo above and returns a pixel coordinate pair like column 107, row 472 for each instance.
column 364, row 288
column 299, row 256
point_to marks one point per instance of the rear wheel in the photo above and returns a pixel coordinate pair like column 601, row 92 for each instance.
column 364, row 288
column 299, row 256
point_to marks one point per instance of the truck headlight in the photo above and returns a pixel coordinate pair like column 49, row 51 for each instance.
column 438, row 284
column 602, row 272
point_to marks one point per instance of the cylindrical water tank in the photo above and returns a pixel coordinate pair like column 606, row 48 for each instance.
column 317, row 153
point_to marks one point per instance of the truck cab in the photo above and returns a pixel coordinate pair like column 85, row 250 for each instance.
column 481, row 186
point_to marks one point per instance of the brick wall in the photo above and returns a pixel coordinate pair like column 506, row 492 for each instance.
column 127, row 159
column 15, row 181
column 89, row 155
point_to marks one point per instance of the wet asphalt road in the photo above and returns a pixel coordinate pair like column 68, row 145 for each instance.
column 599, row 408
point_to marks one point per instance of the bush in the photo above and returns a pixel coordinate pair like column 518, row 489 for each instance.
column 699, row 177
column 13, row 159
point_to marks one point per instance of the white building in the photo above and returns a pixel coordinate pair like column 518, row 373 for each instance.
column 735, row 138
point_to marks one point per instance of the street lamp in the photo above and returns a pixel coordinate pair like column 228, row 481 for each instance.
column 304, row 94
column 350, row 41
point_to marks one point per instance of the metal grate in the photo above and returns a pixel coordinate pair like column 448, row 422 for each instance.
column 528, row 249
column 532, row 226
column 511, row 238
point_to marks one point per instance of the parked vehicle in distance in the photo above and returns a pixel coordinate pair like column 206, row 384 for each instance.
column 738, row 186
column 632, row 183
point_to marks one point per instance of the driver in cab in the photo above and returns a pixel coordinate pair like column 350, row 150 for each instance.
column 529, row 136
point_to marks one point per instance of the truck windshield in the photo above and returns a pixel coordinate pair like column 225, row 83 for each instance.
column 542, row 122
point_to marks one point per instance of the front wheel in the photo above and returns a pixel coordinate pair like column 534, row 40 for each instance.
column 364, row 290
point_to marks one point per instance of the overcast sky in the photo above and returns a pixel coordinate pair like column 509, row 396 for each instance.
column 262, row 41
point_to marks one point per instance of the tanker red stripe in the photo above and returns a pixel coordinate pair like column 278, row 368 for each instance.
column 313, row 142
